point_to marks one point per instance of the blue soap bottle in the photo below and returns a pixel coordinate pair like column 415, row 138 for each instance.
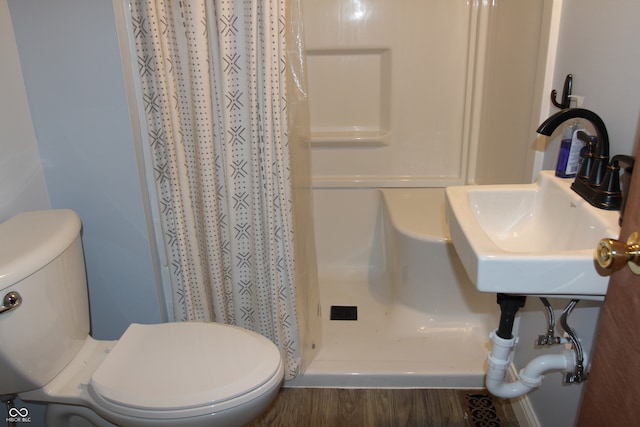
column 567, row 161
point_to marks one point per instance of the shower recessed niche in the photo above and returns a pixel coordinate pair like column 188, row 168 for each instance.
column 349, row 97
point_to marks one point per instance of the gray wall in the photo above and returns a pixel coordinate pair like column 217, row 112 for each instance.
column 22, row 185
column 72, row 71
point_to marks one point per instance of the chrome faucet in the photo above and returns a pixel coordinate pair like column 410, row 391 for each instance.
column 593, row 180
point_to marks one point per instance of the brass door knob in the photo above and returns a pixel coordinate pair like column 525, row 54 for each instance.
column 613, row 254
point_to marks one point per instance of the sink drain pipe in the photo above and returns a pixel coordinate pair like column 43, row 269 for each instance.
column 503, row 342
column 530, row 377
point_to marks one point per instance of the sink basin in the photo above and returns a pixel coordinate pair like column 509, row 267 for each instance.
column 530, row 239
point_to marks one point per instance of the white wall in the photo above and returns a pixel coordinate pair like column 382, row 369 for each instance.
column 423, row 93
column 71, row 67
column 512, row 69
column 22, row 185
column 554, row 397
column 598, row 44
column 386, row 91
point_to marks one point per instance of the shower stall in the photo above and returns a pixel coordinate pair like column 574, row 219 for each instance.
column 408, row 97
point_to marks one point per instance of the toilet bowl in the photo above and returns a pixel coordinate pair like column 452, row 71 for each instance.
column 169, row 374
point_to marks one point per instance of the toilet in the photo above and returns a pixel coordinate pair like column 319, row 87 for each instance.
column 170, row 374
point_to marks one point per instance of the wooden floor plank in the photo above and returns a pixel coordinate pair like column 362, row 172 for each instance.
column 325, row 407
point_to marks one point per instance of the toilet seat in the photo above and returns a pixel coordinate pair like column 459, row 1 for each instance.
column 185, row 369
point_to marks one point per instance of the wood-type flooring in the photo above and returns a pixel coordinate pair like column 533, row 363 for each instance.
column 331, row 407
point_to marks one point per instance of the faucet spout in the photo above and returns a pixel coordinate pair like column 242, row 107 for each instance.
column 553, row 122
column 588, row 187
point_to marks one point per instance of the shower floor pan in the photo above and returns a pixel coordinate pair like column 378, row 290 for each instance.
column 394, row 345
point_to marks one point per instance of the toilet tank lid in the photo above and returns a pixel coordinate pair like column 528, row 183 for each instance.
column 31, row 240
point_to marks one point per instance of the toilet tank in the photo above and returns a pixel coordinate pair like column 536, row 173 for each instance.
column 41, row 258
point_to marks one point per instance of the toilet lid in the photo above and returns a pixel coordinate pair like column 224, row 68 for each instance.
column 173, row 366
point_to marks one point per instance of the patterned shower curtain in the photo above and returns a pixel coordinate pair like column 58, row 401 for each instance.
column 214, row 78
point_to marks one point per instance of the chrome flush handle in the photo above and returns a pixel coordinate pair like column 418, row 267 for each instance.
column 11, row 301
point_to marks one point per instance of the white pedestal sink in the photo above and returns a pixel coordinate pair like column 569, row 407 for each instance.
column 530, row 239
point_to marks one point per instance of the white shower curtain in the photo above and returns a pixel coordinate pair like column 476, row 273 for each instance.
column 216, row 76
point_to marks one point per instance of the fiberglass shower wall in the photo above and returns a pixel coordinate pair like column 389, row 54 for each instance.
column 423, row 92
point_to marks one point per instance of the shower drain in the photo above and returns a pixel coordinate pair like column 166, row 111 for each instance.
column 344, row 312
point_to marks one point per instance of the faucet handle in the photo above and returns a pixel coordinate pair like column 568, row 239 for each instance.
column 629, row 161
column 587, row 163
column 609, row 195
column 611, row 181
